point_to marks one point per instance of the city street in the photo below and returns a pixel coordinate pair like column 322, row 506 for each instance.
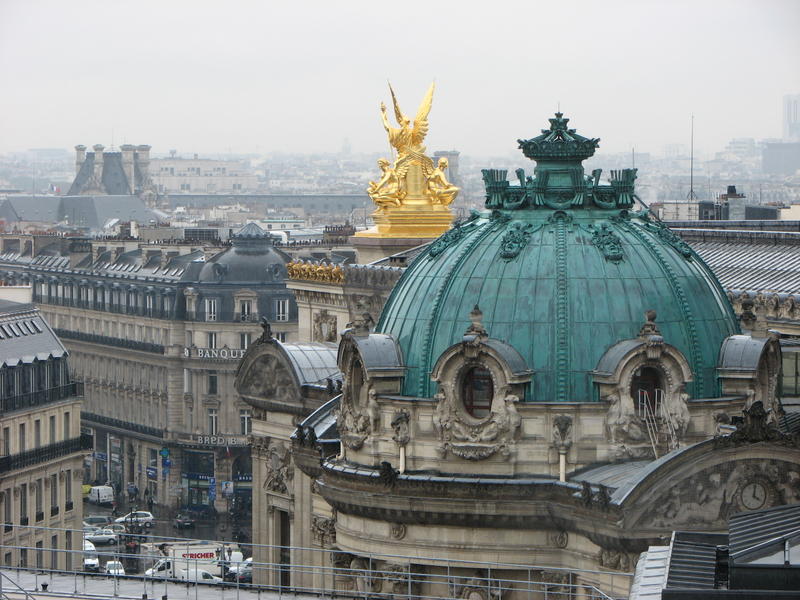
column 219, row 529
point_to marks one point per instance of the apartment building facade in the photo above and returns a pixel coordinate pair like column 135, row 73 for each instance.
column 41, row 446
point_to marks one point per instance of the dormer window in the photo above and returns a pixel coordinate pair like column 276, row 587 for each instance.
column 647, row 390
column 477, row 391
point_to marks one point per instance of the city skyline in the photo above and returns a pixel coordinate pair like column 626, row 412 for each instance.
column 259, row 79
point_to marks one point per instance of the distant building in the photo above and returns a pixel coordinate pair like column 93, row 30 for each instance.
column 177, row 175
column 111, row 173
column 41, row 447
column 791, row 117
column 91, row 213
column 781, row 158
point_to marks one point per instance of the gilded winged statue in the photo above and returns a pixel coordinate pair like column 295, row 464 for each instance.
column 413, row 180
column 407, row 138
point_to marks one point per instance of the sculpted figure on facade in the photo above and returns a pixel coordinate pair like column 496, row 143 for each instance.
column 278, row 474
column 387, row 190
column 441, row 190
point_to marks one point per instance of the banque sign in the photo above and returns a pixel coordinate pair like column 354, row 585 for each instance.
column 226, row 353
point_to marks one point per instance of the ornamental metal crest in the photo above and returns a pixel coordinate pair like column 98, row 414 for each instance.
column 448, row 238
column 515, row 239
column 670, row 237
column 608, row 243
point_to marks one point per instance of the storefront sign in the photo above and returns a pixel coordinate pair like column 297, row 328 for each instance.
column 227, row 488
column 100, row 456
column 221, row 440
column 226, row 353
column 152, row 473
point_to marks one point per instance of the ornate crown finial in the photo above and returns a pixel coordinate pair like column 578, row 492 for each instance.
column 559, row 142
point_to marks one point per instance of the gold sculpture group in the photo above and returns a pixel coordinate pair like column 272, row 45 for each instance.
column 321, row 272
column 412, row 180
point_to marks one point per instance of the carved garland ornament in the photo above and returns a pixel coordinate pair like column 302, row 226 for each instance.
column 515, row 240
column 608, row 243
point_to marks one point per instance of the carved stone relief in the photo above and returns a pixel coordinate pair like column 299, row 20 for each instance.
column 400, row 425
column 461, row 435
column 324, row 327
column 269, row 379
column 397, row 531
column 708, row 497
column 562, row 432
column 616, row 560
column 323, row 531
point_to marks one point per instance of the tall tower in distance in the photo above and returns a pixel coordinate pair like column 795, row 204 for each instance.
column 791, row 118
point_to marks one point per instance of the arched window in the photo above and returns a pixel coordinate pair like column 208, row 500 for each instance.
column 477, row 391
column 356, row 381
column 647, row 390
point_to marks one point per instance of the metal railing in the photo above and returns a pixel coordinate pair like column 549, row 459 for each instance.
column 46, row 453
column 325, row 573
column 41, row 397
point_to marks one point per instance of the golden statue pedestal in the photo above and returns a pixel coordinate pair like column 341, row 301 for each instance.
column 412, row 195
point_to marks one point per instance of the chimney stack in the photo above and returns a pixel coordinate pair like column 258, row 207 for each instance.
column 127, row 165
column 80, row 157
column 98, row 163
column 143, row 158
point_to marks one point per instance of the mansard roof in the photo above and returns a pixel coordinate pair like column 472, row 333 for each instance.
column 25, row 336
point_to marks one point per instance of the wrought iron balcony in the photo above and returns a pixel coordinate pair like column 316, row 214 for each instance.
column 119, row 424
column 40, row 397
column 109, row 341
column 47, row 453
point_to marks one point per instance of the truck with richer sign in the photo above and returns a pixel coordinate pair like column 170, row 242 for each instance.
column 178, row 558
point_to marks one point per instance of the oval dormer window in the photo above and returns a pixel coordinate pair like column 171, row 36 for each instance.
column 477, row 392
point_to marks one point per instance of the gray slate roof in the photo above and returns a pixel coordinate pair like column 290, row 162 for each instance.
column 754, row 262
column 312, row 361
column 82, row 211
column 752, row 528
column 25, row 335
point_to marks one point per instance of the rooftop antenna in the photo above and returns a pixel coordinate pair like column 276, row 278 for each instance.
column 691, row 195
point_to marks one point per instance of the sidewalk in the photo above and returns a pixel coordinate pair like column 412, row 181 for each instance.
column 79, row 585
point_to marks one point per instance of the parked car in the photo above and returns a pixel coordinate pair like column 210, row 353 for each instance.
column 141, row 517
column 118, row 528
column 183, row 521
column 114, row 567
column 96, row 520
column 233, row 571
column 245, row 574
column 101, row 536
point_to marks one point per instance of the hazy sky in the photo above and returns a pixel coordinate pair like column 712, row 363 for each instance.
column 302, row 76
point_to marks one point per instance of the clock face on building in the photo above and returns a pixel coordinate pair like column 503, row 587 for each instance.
column 754, row 495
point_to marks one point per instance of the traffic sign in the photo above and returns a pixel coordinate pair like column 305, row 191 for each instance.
column 165, row 452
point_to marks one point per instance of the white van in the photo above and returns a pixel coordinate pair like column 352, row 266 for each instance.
column 102, row 495
column 198, row 576
column 91, row 562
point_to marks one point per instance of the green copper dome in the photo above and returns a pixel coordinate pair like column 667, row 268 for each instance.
column 562, row 271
